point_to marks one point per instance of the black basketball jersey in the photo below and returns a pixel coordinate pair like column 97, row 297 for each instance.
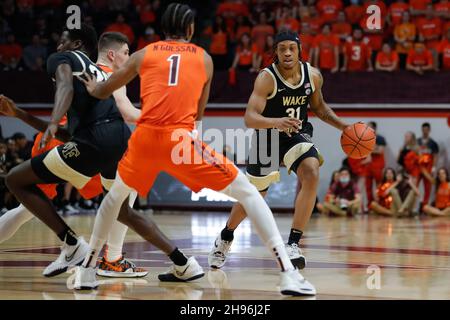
column 288, row 100
column 85, row 110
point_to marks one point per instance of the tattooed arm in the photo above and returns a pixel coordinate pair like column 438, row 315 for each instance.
column 320, row 107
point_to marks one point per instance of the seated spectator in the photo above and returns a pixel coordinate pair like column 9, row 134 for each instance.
column 261, row 30
column 35, row 54
column 10, row 53
column 419, row 59
column 354, row 12
column 326, row 50
column 307, row 41
column 429, row 30
column 344, row 196
column 12, row 156
column 219, row 43
column 404, row 35
column 341, row 27
column 357, row 53
column 246, row 57
column 418, row 7
column 444, row 49
column 441, row 204
column 121, row 26
column 387, row 59
column 267, row 54
column 149, row 37
column 329, row 9
column 396, row 10
column 321, row 206
column 286, row 21
column 408, row 156
column 388, row 201
column 23, row 145
column 3, row 151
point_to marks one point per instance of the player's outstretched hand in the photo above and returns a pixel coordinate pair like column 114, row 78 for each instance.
column 90, row 82
column 7, row 107
column 288, row 125
column 49, row 134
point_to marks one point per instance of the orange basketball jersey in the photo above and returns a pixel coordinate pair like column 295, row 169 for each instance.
column 169, row 92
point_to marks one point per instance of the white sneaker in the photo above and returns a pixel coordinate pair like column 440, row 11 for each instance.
column 85, row 279
column 190, row 271
column 70, row 256
column 69, row 210
column 295, row 254
column 218, row 253
column 292, row 283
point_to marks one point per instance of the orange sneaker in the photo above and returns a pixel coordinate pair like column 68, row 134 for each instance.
column 121, row 268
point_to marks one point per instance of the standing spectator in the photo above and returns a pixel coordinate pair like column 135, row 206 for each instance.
column 444, row 49
column 329, row 9
column 10, row 53
column 357, row 54
column 326, row 50
column 404, row 35
column 428, row 156
column 419, row 59
column 149, row 37
column 429, row 30
column 242, row 26
column 267, row 53
column 307, row 41
column 261, row 30
column 354, row 12
column 442, row 8
column 341, row 27
column 375, row 163
column 375, row 36
column 380, row 4
column 441, row 204
column 246, row 56
column 219, row 43
column 286, row 21
column 344, row 197
column 121, row 26
column 387, row 59
column 34, row 55
column 408, row 156
column 23, row 145
column 313, row 19
column 396, row 11
column 418, row 7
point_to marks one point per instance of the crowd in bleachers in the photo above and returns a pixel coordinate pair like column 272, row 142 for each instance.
column 367, row 185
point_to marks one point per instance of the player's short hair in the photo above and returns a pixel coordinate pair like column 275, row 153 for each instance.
column 176, row 19
column 87, row 35
column 345, row 169
column 108, row 40
column 426, row 125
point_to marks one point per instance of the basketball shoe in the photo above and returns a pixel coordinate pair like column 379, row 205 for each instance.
column 70, row 256
column 85, row 279
column 189, row 272
column 292, row 283
column 218, row 253
column 121, row 268
column 295, row 254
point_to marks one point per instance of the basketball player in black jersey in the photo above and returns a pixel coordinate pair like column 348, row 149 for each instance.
column 281, row 95
column 98, row 138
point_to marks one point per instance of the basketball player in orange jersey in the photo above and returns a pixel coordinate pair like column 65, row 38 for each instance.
column 281, row 94
column 113, row 53
column 175, row 82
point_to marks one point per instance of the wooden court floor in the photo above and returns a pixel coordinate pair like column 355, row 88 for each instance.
column 348, row 258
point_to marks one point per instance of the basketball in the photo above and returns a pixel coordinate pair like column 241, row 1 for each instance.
column 358, row 140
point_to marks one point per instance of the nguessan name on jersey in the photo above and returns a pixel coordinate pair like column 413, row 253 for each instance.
column 177, row 48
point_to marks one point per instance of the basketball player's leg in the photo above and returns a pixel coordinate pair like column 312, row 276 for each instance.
column 12, row 220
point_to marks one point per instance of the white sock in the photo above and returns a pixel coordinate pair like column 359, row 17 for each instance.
column 259, row 213
column 12, row 220
column 115, row 241
column 106, row 215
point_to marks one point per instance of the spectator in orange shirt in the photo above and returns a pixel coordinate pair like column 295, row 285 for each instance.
column 149, row 37
column 246, row 57
column 441, row 205
column 387, row 59
column 265, row 59
column 219, row 43
column 354, row 12
column 342, row 28
column 444, row 49
column 232, row 8
column 311, row 16
column 375, row 36
column 10, row 53
column 286, row 21
column 404, row 35
column 429, row 30
column 307, row 41
column 418, row 7
column 329, row 9
column 121, row 26
column 380, row 4
column 442, row 9
column 357, row 54
column 419, row 59
column 261, row 30
column 396, row 11
column 242, row 26
column 326, row 50
column 146, row 14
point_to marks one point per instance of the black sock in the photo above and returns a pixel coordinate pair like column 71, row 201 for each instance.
column 295, row 236
column 227, row 234
column 178, row 257
column 69, row 237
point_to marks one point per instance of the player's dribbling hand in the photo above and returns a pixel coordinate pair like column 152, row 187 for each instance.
column 89, row 81
column 49, row 134
column 7, row 107
column 288, row 125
